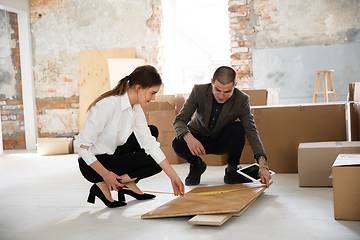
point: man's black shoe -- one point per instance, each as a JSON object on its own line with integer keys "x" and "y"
{"x": 193, "y": 178}
{"x": 233, "y": 177}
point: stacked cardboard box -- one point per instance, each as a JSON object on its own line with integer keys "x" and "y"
{"x": 161, "y": 113}
{"x": 316, "y": 159}
{"x": 346, "y": 185}
{"x": 54, "y": 146}
{"x": 258, "y": 97}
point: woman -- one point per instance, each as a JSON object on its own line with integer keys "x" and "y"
{"x": 116, "y": 147}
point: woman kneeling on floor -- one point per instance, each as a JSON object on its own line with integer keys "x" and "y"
{"x": 116, "y": 147}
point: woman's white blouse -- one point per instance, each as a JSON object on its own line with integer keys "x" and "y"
{"x": 109, "y": 124}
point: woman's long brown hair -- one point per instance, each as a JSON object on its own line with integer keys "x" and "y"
{"x": 146, "y": 76}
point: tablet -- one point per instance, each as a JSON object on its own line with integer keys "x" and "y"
{"x": 252, "y": 172}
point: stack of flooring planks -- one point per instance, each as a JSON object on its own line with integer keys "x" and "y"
{"x": 210, "y": 205}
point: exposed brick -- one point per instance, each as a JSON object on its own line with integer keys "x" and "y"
{"x": 60, "y": 105}
{"x": 238, "y": 14}
{"x": 234, "y": 44}
{"x": 5, "y": 112}
{"x": 239, "y": 62}
{"x": 39, "y": 111}
{"x": 240, "y": 50}
{"x": 234, "y": 56}
{"x": 244, "y": 44}
{"x": 245, "y": 55}
{"x": 40, "y": 105}
{"x": 232, "y": 9}
{"x": 244, "y": 8}
{"x": 41, "y": 102}
{"x": 243, "y": 19}
{"x": 237, "y": 26}
{"x": 19, "y": 138}
{"x": 242, "y": 73}
{"x": 74, "y": 100}
{"x": 9, "y": 142}
{"x": 238, "y": 2}
{"x": 17, "y": 102}
{"x": 245, "y": 68}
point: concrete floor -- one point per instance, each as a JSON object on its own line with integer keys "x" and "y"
{"x": 45, "y": 198}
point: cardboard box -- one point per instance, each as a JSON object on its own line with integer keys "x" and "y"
{"x": 355, "y": 121}
{"x": 356, "y": 89}
{"x": 346, "y": 185}
{"x": 257, "y": 97}
{"x": 215, "y": 160}
{"x": 283, "y": 128}
{"x": 53, "y": 146}
{"x": 316, "y": 159}
{"x": 162, "y": 115}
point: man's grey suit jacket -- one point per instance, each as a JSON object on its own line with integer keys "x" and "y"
{"x": 236, "y": 107}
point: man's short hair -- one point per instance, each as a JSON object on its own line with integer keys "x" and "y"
{"x": 225, "y": 75}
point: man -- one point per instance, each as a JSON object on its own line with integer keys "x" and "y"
{"x": 214, "y": 129}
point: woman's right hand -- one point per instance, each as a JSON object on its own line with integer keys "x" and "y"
{"x": 112, "y": 180}
{"x": 178, "y": 187}
{"x": 176, "y": 183}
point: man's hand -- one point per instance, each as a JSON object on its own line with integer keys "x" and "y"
{"x": 264, "y": 172}
{"x": 195, "y": 147}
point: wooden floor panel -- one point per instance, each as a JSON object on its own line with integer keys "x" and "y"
{"x": 227, "y": 202}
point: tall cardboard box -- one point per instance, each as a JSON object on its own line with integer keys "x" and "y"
{"x": 215, "y": 160}
{"x": 162, "y": 115}
{"x": 346, "y": 185}
{"x": 283, "y": 128}
{"x": 316, "y": 159}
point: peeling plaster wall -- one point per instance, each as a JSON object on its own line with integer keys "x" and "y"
{"x": 293, "y": 39}
{"x": 7, "y": 68}
{"x": 62, "y": 28}
{"x": 283, "y": 23}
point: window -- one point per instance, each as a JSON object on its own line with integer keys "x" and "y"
{"x": 196, "y": 41}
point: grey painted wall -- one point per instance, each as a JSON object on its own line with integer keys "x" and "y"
{"x": 292, "y": 70}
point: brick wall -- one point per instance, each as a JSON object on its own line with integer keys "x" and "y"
{"x": 243, "y": 21}
{"x": 12, "y": 114}
{"x": 45, "y": 105}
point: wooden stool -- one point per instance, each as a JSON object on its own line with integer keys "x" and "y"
{"x": 325, "y": 92}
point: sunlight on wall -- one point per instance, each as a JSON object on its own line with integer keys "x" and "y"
{"x": 196, "y": 41}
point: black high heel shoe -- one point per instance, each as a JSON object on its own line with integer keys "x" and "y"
{"x": 95, "y": 191}
{"x": 144, "y": 196}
